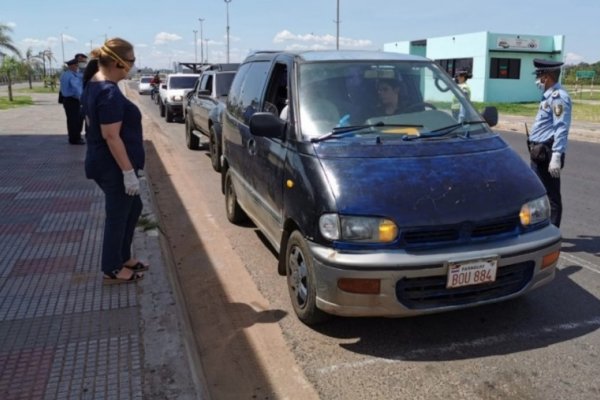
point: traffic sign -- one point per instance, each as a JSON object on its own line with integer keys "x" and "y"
{"x": 585, "y": 74}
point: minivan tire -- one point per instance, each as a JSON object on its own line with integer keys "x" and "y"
{"x": 162, "y": 109}
{"x": 301, "y": 280}
{"x": 234, "y": 212}
{"x": 168, "y": 114}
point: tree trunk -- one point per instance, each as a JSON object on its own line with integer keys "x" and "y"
{"x": 30, "y": 79}
{"x": 10, "y": 93}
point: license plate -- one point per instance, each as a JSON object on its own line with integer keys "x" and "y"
{"x": 472, "y": 272}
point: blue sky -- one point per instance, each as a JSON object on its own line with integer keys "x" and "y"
{"x": 162, "y": 31}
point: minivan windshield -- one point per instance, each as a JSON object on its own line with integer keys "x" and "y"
{"x": 396, "y": 98}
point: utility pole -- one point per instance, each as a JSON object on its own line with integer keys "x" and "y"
{"x": 227, "y": 5}
{"x": 196, "y": 46}
{"x": 201, "y": 41}
{"x": 337, "y": 23}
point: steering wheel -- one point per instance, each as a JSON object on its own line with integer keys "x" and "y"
{"x": 420, "y": 106}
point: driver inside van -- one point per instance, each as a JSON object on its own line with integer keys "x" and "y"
{"x": 388, "y": 91}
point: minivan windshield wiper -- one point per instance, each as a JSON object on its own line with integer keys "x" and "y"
{"x": 338, "y": 130}
{"x": 446, "y": 130}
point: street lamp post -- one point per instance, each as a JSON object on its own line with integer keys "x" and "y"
{"x": 206, "y": 44}
{"x": 196, "y": 46}
{"x": 227, "y": 5}
{"x": 62, "y": 46}
{"x": 201, "y": 41}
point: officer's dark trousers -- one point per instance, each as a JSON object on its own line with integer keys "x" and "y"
{"x": 122, "y": 214}
{"x": 552, "y": 186}
{"x": 74, "y": 118}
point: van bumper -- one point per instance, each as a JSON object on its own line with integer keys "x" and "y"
{"x": 414, "y": 282}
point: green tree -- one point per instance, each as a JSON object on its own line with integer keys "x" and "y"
{"x": 11, "y": 68}
{"x": 6, "y": 41}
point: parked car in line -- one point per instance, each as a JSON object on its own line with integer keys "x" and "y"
{"x": 171, "y": 94}
{"x": 203, "y": 112}
{"x": 144, "y": 86}
{"x": 379, "y": 211}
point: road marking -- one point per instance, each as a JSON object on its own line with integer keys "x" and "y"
{"x": 581, "y": 262}
{"x": 459, "y": 347}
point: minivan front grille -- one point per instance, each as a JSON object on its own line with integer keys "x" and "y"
{"x": 460, "y": 233}
{"x": 431, "y": 292}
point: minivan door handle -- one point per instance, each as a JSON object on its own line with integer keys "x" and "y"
{"x": 252, "y": 147}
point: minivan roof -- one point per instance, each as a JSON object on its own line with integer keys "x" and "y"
{"x": 341, "y": 55}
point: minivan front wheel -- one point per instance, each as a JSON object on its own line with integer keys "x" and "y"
{"x": 234, "y": 212}
{"x": 301, "y": 280}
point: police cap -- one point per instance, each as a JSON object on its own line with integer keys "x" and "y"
{"x": 72, "y": 62}
{"x": 543, "y": 66}
{"x": 80, "y": 55}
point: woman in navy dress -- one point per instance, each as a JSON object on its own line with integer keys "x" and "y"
{"x": 115, "y": 154}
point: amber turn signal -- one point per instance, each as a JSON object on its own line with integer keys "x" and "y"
{"x": 550, "y": 259}
{"x": 361, "y": 286}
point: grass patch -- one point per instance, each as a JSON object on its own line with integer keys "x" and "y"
{"x": 38, "y": 89}
{"x": 147, "y": 224}
{"x": 582, "y": 111}
{"x": 18, "y": 101}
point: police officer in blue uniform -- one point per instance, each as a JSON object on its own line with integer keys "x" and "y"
{"x": 548, "y": 139}
{"x": 71, "y": 88}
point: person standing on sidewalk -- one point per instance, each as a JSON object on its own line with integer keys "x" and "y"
{"x": 82, "y": 60}
{"x": 71, "y": 88}
{"x": 461, "y": 78}
{"x": 115, "y": 154}
{"x": 547, "y": 141}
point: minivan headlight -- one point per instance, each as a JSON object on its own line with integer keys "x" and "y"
{"x": 357, "y": 229}
{"x": 535, "y": 211}
{"x": 176, "y": 98}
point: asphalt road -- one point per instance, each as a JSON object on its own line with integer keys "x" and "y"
{"x": 545, "y": 345}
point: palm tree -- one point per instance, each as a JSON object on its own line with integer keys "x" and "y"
{"x": 6, "y": 41}
{"x": 31, "y": 63}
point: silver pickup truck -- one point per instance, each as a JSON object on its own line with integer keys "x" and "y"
{"x": 203, "y": 107}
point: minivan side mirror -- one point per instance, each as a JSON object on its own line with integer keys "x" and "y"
{"x": 163, "y": 86}
{"x": 265, "y": 124}
{"x": 490, "y": 115}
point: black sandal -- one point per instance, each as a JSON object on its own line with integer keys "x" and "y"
{"x": 138, "y": 267}
{"x": 112, "y": 279}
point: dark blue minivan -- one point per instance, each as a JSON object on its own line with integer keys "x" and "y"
{"x": 383, "y": 190}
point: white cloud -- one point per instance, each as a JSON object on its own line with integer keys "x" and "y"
{"x": 573, "y": 59}
{"x": 141, "y": 45}
{"x": 318, "y": 42}
{"x": 164, "y": 37}
{"x": 68, "y": 38}
{"x": 12, "y": 25}
{"x": 40, "y": 43}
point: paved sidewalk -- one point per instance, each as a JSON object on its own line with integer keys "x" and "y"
{"x": 63, "y": 335}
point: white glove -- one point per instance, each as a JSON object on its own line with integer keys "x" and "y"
{"x": 131, "y": 182}
{"x": 554, "y": 167}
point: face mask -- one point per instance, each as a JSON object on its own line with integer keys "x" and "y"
{"x": 82, "y": 65}
{"x": 540, "y": 85}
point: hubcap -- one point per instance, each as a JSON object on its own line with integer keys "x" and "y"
{"x": 298, "y": 276}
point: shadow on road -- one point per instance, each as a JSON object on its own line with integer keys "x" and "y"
{"x": 555, "y": 313}
{"x": 582, "y": 243}
{"x": 218, "y": 325}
